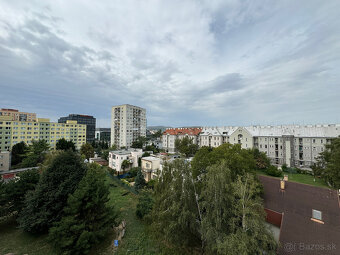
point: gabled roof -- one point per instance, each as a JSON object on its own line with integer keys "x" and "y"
{"x": 296, "y": 203}
{"x": 182, "y": 131}
{"x": 222, "y": 131}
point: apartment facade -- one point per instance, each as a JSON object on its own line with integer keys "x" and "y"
{"x": 13, "y": 132}
{"x": 103, "y": 134}
{"x": 116, "y": 158}
{"x": 18, "y": 116}
{"x": 170, "y": 135}
{"x": 5, "y": 160}
{"x": 293, "y": 145}
{"x": 128, "y": 123}
{"x": 87, "y": 120}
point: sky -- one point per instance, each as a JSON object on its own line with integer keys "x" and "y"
{"x": 189, "y": 63}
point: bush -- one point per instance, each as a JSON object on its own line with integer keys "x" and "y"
{"x": 284, "y": 167}
{"x": 145, "y": 204}
{"x": 273, "y": 171}
{"x": 133, "y": 171}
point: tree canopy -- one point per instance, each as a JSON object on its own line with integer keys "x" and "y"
{"x": 63, "y": 144}
{"x": 45, "y": 204}
{"x": 87, "y": 150}
{"x": 328, "y": 164}
{"x": 36, "y": 153}
{"x": 87, "y": 216}
{"x": 186, "y": 146}
{"x": 19, "y": 151}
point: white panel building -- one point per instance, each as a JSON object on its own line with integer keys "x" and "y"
{"x": 128, "y": 122}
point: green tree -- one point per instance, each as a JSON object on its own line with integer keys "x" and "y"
{"x": 14, "y": 191}
{"x": 139, "y": 180}
{"x": 175, "y": 215}
{"x": 87, "y": 150}
{"x": 88, "y": 215}
{"x": 139, "y": 143}
{"x": 261, "y": 159}
{"x": 126, "y": 164}
{"x": 105, "y": 153}
{"x": 201, "y": 161}
{"x": 145, "y": 204}
{"x": 186, "y": 146}
{"x": 36, "y": 153}
{"x": 19, "y": 151}
{"x": 45, "y": 204}
{"x": 248, "y": 232}
{"x": 64, "y": 145}
{"x": 328, "y": 164}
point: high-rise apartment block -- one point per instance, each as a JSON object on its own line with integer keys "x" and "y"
{"x": 18, "y": 116}
{"x": 87, "y": 120}
{"x": 128, "y": 122}
{"x": 293, "y": 145}
{"x": 13, "y": 132}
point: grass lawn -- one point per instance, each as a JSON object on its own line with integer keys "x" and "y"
{"x": 137, "y": 239}
{"x": 302, "y": 178}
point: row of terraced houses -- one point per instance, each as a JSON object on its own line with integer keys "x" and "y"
{"x": 293, "y": 145}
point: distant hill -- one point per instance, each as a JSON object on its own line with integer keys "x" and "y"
{"x": 157, "y": 128}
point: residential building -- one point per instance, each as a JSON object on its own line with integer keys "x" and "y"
{"x": 128, "y": 123}
{"x": 170, "y": 135}
{"x": 5, "y": 160}
{"x": 293, "y": 145}
{"x": 215, "y": 136}
{"x": 13, "y": 132}
{"x": 150, "y": 167}
{"x": 18, "y": 116}
{"x": 103, "y": 134}
{"x": 306, "y": 217}
{"x": 116, "y": 159}
{"x": 87, "y": 120}
{"x": 98, "y": 160}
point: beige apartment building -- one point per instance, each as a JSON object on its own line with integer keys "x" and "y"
{"x": 128, "y": 123}
{"x": 293, "y": 145}
{"x": 18, "y": 116}
{"x": 13, "y": 132}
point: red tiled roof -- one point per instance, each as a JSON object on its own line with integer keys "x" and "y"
{"x": 182, "y": 131}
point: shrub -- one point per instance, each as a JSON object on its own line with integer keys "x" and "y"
{"x": 145, "y": 204}
{"x": 273, "y": 171}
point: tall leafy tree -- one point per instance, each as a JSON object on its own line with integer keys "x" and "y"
{"x": 87, "y": 150}
{"x": 248, "y": 233}
{"x": 88, "y": 215}
{"x": 175, "y": 214}
{"x": 45, "y": 204}
{"x": 19, "y": 151}
{"x": 328, "y": 164}
{"x": 36, "y": 153}
{"x": 139, "y": 143}
{"x": 14, "y": 191}
{"x": 186, "y": 146}
{"x": 64, "y": 145}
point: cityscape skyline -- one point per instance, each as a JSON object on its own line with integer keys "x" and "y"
{"x": 210, "y": 64}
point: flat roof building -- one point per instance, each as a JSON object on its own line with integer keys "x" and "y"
{"x": 18, "y": 116}
{"x": 87, "y": 120}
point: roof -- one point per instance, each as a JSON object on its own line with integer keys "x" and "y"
{"x": 223, "y": 131}
{"x": 126, "y": 151}
{"x": 296, "y": 203}
{"x": 182, "y": 131}
{"x": 150, "y": 158}
{"x": 331, "y": 130}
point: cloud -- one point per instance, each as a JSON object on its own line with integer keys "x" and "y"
{"x": 186, "y": 62}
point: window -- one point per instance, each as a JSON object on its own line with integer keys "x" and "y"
{"x": 316, "y": 214}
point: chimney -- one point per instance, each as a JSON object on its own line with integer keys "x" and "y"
{"x": 282, "y": 184}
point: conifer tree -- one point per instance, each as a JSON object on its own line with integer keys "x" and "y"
{"x": 139, "y": 180}
{"x": 87, "y": 217}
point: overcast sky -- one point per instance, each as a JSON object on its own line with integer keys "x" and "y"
{"x": 187, "y": 62}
